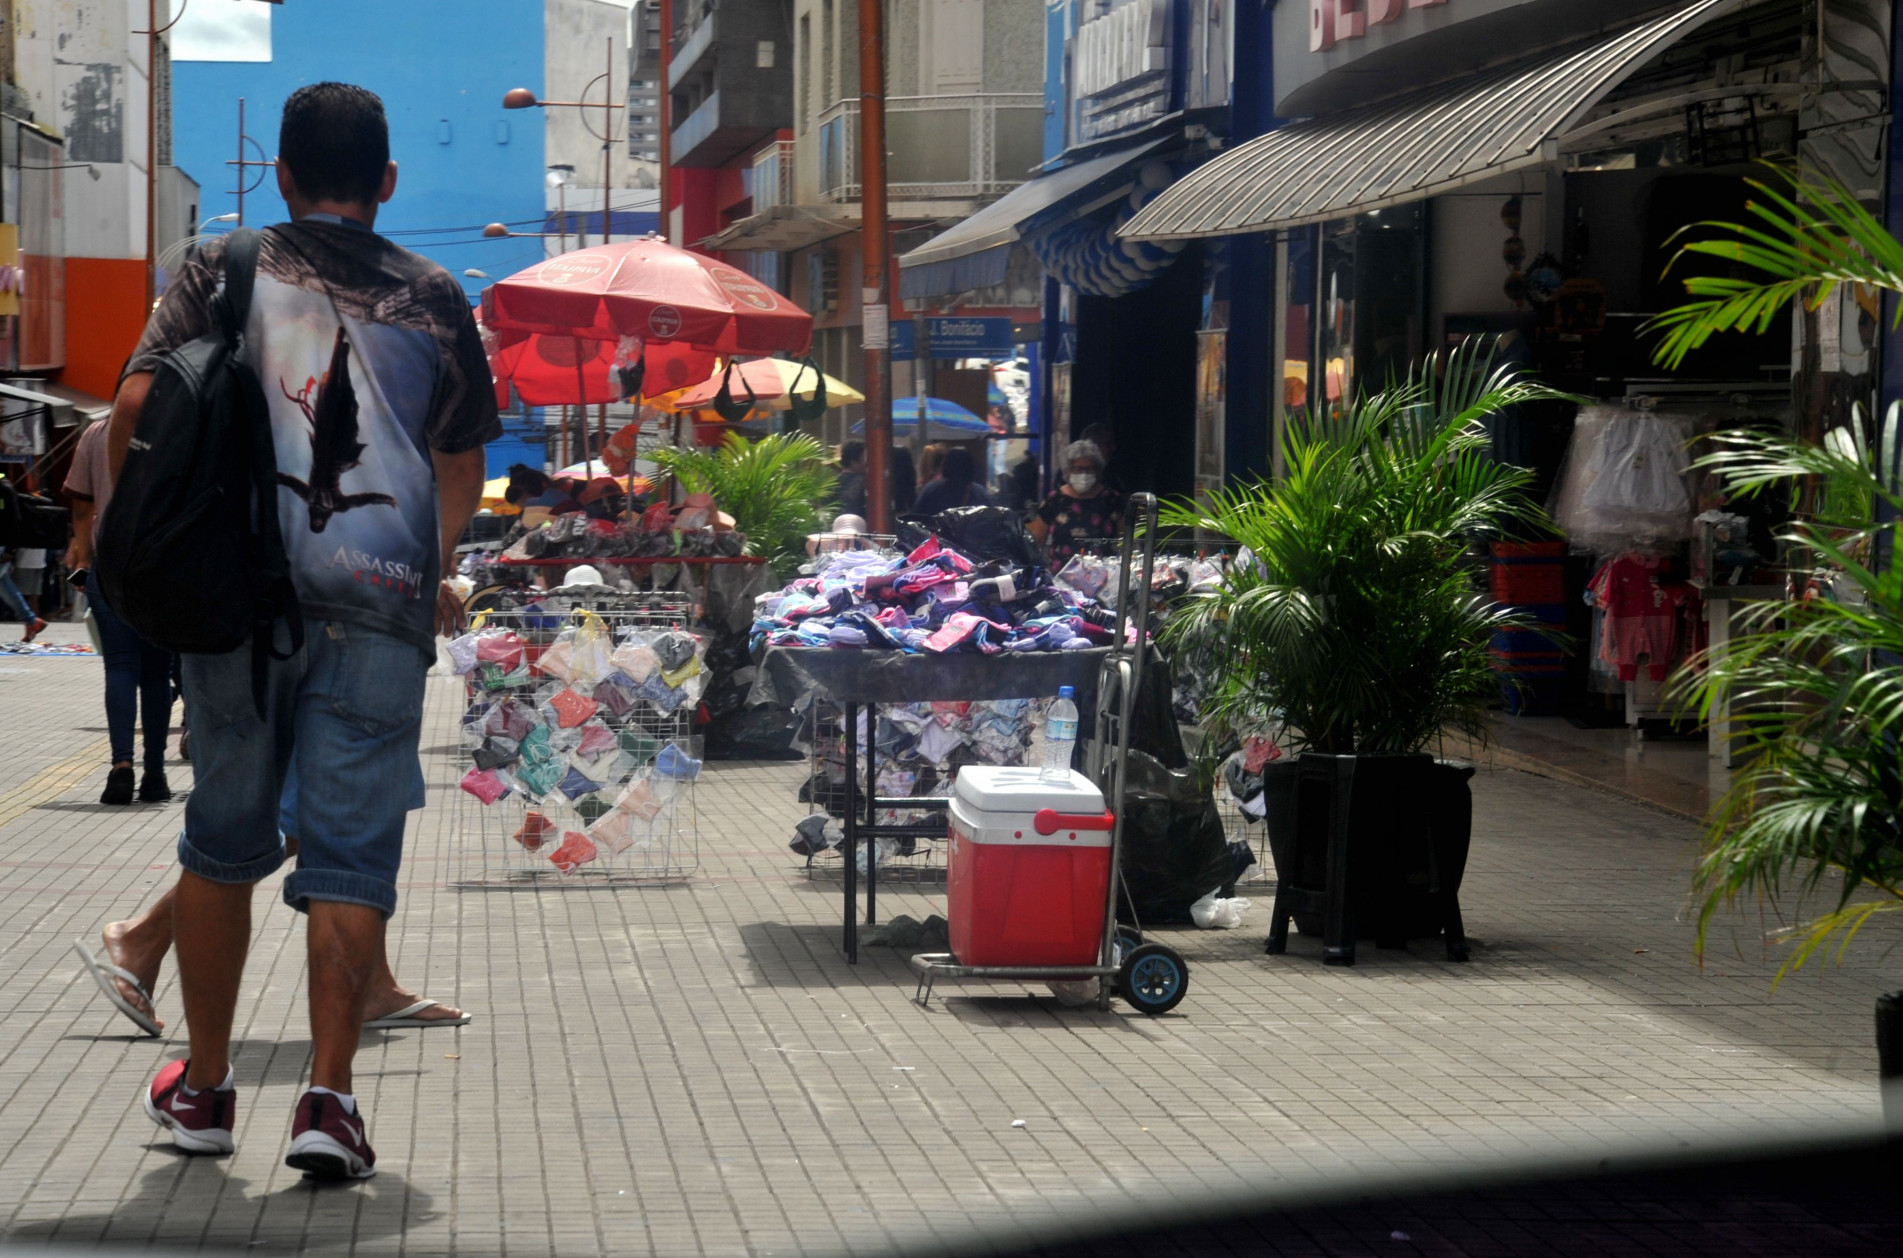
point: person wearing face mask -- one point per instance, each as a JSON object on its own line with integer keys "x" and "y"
{"x": 1080, "y": 509}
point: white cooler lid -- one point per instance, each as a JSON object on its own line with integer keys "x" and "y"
{"x": 994, "y": 789}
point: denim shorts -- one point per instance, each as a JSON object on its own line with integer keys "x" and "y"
{"x": 344, "y": 714}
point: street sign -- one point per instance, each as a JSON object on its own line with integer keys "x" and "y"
{"x": 954, "y": 337}
{"x": 904, "y": 343}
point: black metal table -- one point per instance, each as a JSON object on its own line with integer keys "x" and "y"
{"x": 853, "y": 679}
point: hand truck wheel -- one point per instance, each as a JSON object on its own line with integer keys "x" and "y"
{"x": 1153, "y": 979}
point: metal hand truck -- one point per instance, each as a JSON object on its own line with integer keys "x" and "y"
{"x": 1152, "y": 977}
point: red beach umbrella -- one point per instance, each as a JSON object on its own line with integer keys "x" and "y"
{"x": 649, "y": 289}
{"x": 549, "y": 370}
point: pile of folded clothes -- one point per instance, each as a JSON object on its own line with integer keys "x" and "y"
{"x": 588, "y": 730}
{"x": 931, "y": 600}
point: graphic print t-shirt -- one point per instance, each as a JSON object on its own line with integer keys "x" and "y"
{"x": 370, "y": 359}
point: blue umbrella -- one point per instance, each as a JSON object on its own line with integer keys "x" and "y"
{"x": 944, "y": 421}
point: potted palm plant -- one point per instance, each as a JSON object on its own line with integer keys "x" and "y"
{"x": 1351, "y": 619}
{"x": 774, "y": 489}
{"x": 1819, "y": 678}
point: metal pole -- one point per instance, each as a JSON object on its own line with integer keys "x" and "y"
{"x": 875, "y": 296}
{"x": 241, "y": 160}
{"x": 607, "y": 142}
{"x": 152, "y": 149}
{"x": 666, "y": 98}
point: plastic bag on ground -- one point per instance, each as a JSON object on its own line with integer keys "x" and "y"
{"x": 1215, "y": 913}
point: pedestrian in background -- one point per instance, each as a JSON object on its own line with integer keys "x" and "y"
{"x": 28, "y": 613}
{"x": 360, "y": 345}
{"x": 1081, "y": 509}
{"x": 901, "y": 481}
{"x": 954, "y": 486}
{"x": 138, "y": 674}
{"x": 850, "y": 497}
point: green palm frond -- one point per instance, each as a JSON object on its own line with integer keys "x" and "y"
{"x": 773, "y": 488}
{"x": 1816, "y": 698}
{"x": 1809, "y": 236}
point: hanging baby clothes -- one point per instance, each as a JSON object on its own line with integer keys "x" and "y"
{"x": 1641, "y": 615}
{"x": 1623, "y": 483}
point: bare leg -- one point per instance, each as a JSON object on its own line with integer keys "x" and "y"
{"x": 386, "y": 995}
{"x": 139, "y": 945}
{"x": 343, "y": 941}
{"x": 212, "y": 931}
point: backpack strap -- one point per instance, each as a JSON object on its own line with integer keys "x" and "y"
{"x": 241, "y": 270}
{"x": 277, "y": 595}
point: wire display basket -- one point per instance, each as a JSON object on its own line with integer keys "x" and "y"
{"x": 580, "y": 761}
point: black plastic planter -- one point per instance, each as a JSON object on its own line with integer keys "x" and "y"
{"x": 1368, "y": 847}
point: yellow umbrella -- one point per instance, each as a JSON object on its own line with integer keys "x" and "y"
{"x": 492, "y": 499}
{"x": 768, "y": 379}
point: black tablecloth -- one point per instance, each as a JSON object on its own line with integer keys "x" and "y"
{"x": 788, "y": 674}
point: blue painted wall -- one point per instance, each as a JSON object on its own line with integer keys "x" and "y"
{"x": 441, "y": 67}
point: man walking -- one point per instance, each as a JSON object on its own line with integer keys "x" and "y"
{"x": 380, "y": 405}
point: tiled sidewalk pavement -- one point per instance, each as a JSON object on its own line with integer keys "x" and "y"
{"x": 694, "y": 1068}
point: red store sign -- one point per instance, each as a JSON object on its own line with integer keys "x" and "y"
{"x": 1330, "y": 22}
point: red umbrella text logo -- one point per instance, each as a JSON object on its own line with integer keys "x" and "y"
{"x": 573, "y": 268}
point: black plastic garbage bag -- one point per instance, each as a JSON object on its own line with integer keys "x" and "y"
{"x": 980, "y": 534}
{"x": 1174, "y": 850}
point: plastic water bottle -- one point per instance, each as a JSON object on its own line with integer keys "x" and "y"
{"x": 1060, "y": 735}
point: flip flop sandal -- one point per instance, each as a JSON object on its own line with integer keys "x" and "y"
{"x": 406, "y": 1018}
{"x": 104, "y": 973}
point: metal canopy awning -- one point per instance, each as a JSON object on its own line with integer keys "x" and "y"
{"x": 1412, "y": 148}
{"x": 977, "y": 252}
{"x": 784, "y": 228}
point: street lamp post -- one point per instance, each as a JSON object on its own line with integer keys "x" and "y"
{"x": 152, "y": 32}
{"x": 523, "y": 98}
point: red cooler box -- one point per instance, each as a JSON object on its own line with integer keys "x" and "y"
{"x": 1030, "y": 864}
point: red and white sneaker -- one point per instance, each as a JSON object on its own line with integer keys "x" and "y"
{"x": 201, "y": 1122}
{"x": 327, "y": 1142}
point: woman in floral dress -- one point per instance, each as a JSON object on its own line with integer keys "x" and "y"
{"x": 1080, "y": 509}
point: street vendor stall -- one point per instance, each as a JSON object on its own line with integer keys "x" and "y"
{"x": 861, "y": 682}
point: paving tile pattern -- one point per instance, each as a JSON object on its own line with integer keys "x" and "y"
{"x": 694, "y": 1068}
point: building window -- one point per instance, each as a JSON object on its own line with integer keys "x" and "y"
{"x": 805, "y": 110}
{"x": 829, "y": 33}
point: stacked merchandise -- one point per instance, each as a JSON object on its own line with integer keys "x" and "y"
{"x": 578, "y": 732}
{"x": 1529, "y": 578}
{"x": 931, "y": 600}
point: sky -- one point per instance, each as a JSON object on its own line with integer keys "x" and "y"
{"x": 223, "y": 30}
{"x": 232, "y": 30}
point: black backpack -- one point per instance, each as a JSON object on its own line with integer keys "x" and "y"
{"x": 189, "y": 550}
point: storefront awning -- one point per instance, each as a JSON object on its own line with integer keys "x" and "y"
{"x": 977, "y": 252}
{"x": 1412, "y": 148}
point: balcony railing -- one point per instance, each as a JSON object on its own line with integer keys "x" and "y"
{"x": 773, "y": 176}
{"x": 940, "y": 147}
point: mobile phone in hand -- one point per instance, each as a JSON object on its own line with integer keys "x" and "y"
{"x": 77, "y": 578}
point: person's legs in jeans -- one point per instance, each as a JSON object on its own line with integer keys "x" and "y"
{"x": 15, "y": 601}
{"x": 359, "y": 715}
{"x": 155, "y": 709}
{"x": 123, "y": 671}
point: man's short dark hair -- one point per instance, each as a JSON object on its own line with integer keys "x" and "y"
{"x": 336, "y": 141}
{"x": 852, "y": 453}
